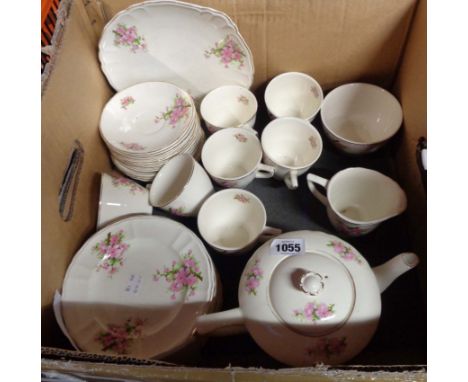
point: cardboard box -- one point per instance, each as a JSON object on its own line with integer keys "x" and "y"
{"x": 377, "y": 41}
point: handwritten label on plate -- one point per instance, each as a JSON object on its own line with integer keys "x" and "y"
{"x": 134, "y": 283}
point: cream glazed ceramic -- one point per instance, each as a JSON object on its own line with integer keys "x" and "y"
{"x": 293, "y": 94}
{"x": 229, "y": 106}
{"x": 359, "y": 118}
{"x": 120, "y": 197}
{"x": 233, "y": 157}
{"x": 233, "y": 220}
{"x": 181, "y": 186}
{"x": 170, "y": 41}
{"x": 319, "y": 307}
{"x": 358, "y": 199}
{"x": 291, "y": 145}
{"x": 136, "y": 287}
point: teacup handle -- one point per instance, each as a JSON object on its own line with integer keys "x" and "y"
{"x": 269, "y": 233}
{"x": 265, "y": 171}
{"x": 291, "y": 180}
{"x": 311, "y": 180}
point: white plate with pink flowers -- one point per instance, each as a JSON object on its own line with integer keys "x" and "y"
{"x": 194, "y": 47}
{"x": 136, "y": 288}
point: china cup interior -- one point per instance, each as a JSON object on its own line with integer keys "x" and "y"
{"x": 231, "y": 153}
{"x": 294, "y": 95}
{"x": 361, "y": 113}
{"x": 231, "y": 219}
{"x": 361, "y": 195}
{"x": 292, "y": 142}
{"x": 171, "y": 180}
{"x": 228, "y": 106}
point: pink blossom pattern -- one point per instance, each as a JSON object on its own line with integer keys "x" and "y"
{"x": 240, "y": 137}
{"x": 314, "y": 312}
{"x": 228, "y": 51}
{"x": 126, "y": 102}
{"x": 132, "y": 146}
{"x": 327, "y": 347}
{"x": 242, "y": 198}
{"x": 110, "y": 252}
{"x": 183, "y": 276}
{"x": 253, "y": 278}
{"x": 243, "y": 99}
{"x": 133, "y": 187}
{"x": 350, "y": 230}
{"x": 313, "y": 142}
{"x": 179, "y": 211}
{"x": 229, "y": 183}
{"x": 118, "y": 338}
{"x": 128, "y": 36}
{"x": 344, "y": 251}
{"x": 314, "y": 91}
{"x": 175, "y": 113}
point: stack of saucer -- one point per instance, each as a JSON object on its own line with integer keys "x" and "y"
{"x": 147, "y": 124}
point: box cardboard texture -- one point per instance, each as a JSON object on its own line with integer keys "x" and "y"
{"x": 378, "y": 41}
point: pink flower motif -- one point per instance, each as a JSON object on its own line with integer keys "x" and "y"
{"x": 242, "y": 198}
{"x": 126, "y": 101}
{"x": 240, "y": 137}
{"x": 118, "y": 338}
{"x": 132, "y": 146}
{"x": 253, "y": 278}
{"x": 183, "y": 276}
{"x": 133, "y": 187}
{"x": 243, "y": 99}
{"x": 345, "y": 252}
{"x": 314, "y": 312}
{"x": 111, "y": 252}
{"x": 327, "y": 347}
{"x": 228, "y": 51}
{"x": 128, "y": 36}
{"x": 176, "y": 112}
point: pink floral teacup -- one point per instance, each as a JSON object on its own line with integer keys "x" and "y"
{"x": 233, "y": 157}
{"x": 358, "y": 199}
{"x": 229, "y": 106}
{"x": 121, "y": 197}
{"x": 293, "y": 94}
{"x": 233, "y": 220}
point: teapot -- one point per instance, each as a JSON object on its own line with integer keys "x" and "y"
{"x": 320, "y": 306}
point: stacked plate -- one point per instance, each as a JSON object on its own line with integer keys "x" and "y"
{"x": 147, "y": 124}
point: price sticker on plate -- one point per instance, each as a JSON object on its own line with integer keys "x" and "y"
{"x": 287, "y": 247}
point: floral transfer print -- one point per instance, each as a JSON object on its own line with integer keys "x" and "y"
{"x": 132, "y": 146}
{"x": 133, "y": 187}
{"x": 240, "y": 137}
{"x": 313, "y": 142}
{"x": 344, "y": 251}
{"x": 242, "y": 198}
{"x": 176, "y": 112}
{"x": 253, "y": 278}
{"x": 118, "y": 338}
{"x": 228, "y": 183}
{"x": 327, "y": 347}
{"x": 179, "y": 211}
{"x": 111, "y": 252}
{"x": 228, "y": 51}
{"x": 128, "y": 36}
{"x": 314, "y": 312}
{"x": 126, "y": 102}
{"x": 243, "y": 99}
{"x": 183, "y": 276}
{"x": 315, "y": 91}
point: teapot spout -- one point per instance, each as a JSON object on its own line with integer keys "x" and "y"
{"x": 392, "y": 269}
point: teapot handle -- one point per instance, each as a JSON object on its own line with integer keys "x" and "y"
{"x": 311, "y": 180}
{"x": 224, "y": 323}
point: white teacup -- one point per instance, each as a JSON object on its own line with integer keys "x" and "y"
{"x": 293, "y": 94}
{"x": 358, "y": 199}
{"x": 292, "y": 146}
{"x": 181, "y": 186}
{"x": 121, "y": 197}
{"x": 233, "y": 157}
{"x": 233, "y": 220}
{"x": 359, "y": 118}
{"x": 229, "y": 106}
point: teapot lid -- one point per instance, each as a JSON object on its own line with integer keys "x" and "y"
{"x": 312, "y": 294}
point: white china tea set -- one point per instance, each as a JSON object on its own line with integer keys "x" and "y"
{"x": 145, "y": 285}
